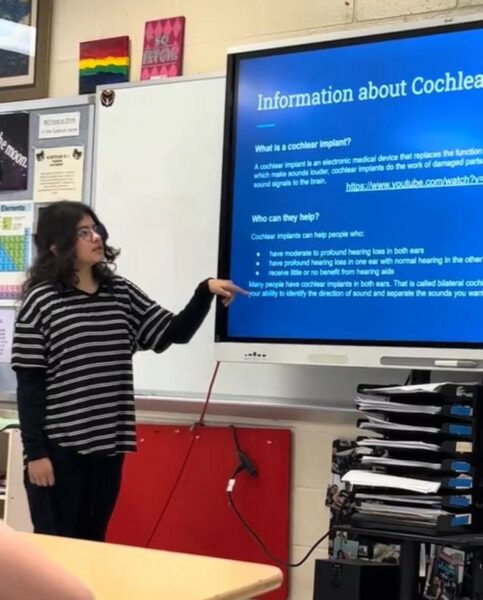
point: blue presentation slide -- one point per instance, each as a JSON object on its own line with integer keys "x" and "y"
{"x": 357, "y": 199}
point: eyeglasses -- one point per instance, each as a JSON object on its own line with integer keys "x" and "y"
{"x": 87, "y": 233}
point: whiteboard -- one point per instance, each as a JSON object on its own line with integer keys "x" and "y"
{"x": 157, "y": 186}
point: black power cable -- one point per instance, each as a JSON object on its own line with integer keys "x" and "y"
{"x": 194, "y": 432}
{"x": 246, "y": 464}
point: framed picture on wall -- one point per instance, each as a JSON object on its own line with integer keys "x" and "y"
{"x": 163, "y": 48}
{"x": 24, "y": 49}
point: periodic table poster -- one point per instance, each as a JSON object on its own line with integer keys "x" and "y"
{"x": 16, "y": 219}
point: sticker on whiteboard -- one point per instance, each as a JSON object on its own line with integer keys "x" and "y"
{"x": 57, "y": 125}
{"x": 107, "y": 97}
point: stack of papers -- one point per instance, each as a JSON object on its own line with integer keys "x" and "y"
{"x": 399, "y": 444}
{"x": 369, "y": 403}
{"x": 375, "y": 423}
{"x": 381, "y": 480}
{"x": 460, "y": 500}
{"x": 428, "y": 499}
{"x": 432, "y": 388}
{"x": 422, "y": 516}
{"x": 388, "y": 462}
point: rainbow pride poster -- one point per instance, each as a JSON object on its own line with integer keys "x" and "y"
{"x": 102, "y": 62}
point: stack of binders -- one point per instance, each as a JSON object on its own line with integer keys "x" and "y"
{"x": 422, "y": 464}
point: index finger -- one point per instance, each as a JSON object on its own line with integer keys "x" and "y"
{"x": 239, "y": 290}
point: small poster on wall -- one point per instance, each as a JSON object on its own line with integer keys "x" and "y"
{"x": 16, "y": 220}
{"x": 103, "y": 62}
{"x": 58, "y": 174}
{"x": 14, "y": 137}
{"x": 57, "y": 125}
{"x": 7, "y": 322}
{"x": 163, "y": 48}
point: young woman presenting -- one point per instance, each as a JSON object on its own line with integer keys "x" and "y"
{"x": 77, "y": 330}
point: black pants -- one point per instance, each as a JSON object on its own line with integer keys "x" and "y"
{"x": 81, "y": 502}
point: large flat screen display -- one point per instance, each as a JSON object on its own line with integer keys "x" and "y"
{"x": 352, "y": 205}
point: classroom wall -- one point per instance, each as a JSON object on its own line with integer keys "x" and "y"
{"x": 211, "y": 27}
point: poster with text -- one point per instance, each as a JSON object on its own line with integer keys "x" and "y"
{"x": 16, "y": 219}
{"x": 58, "y": 174}
{"x": 7, "y": 321}
{"x": 58, "y": 125}
{"x": 163, "y": 48}
{"x": 14, "y": 137}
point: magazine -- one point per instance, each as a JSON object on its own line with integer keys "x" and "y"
{"x": 445, "y": 574}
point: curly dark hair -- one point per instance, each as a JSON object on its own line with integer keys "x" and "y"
{"x": 57, "y": 226}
